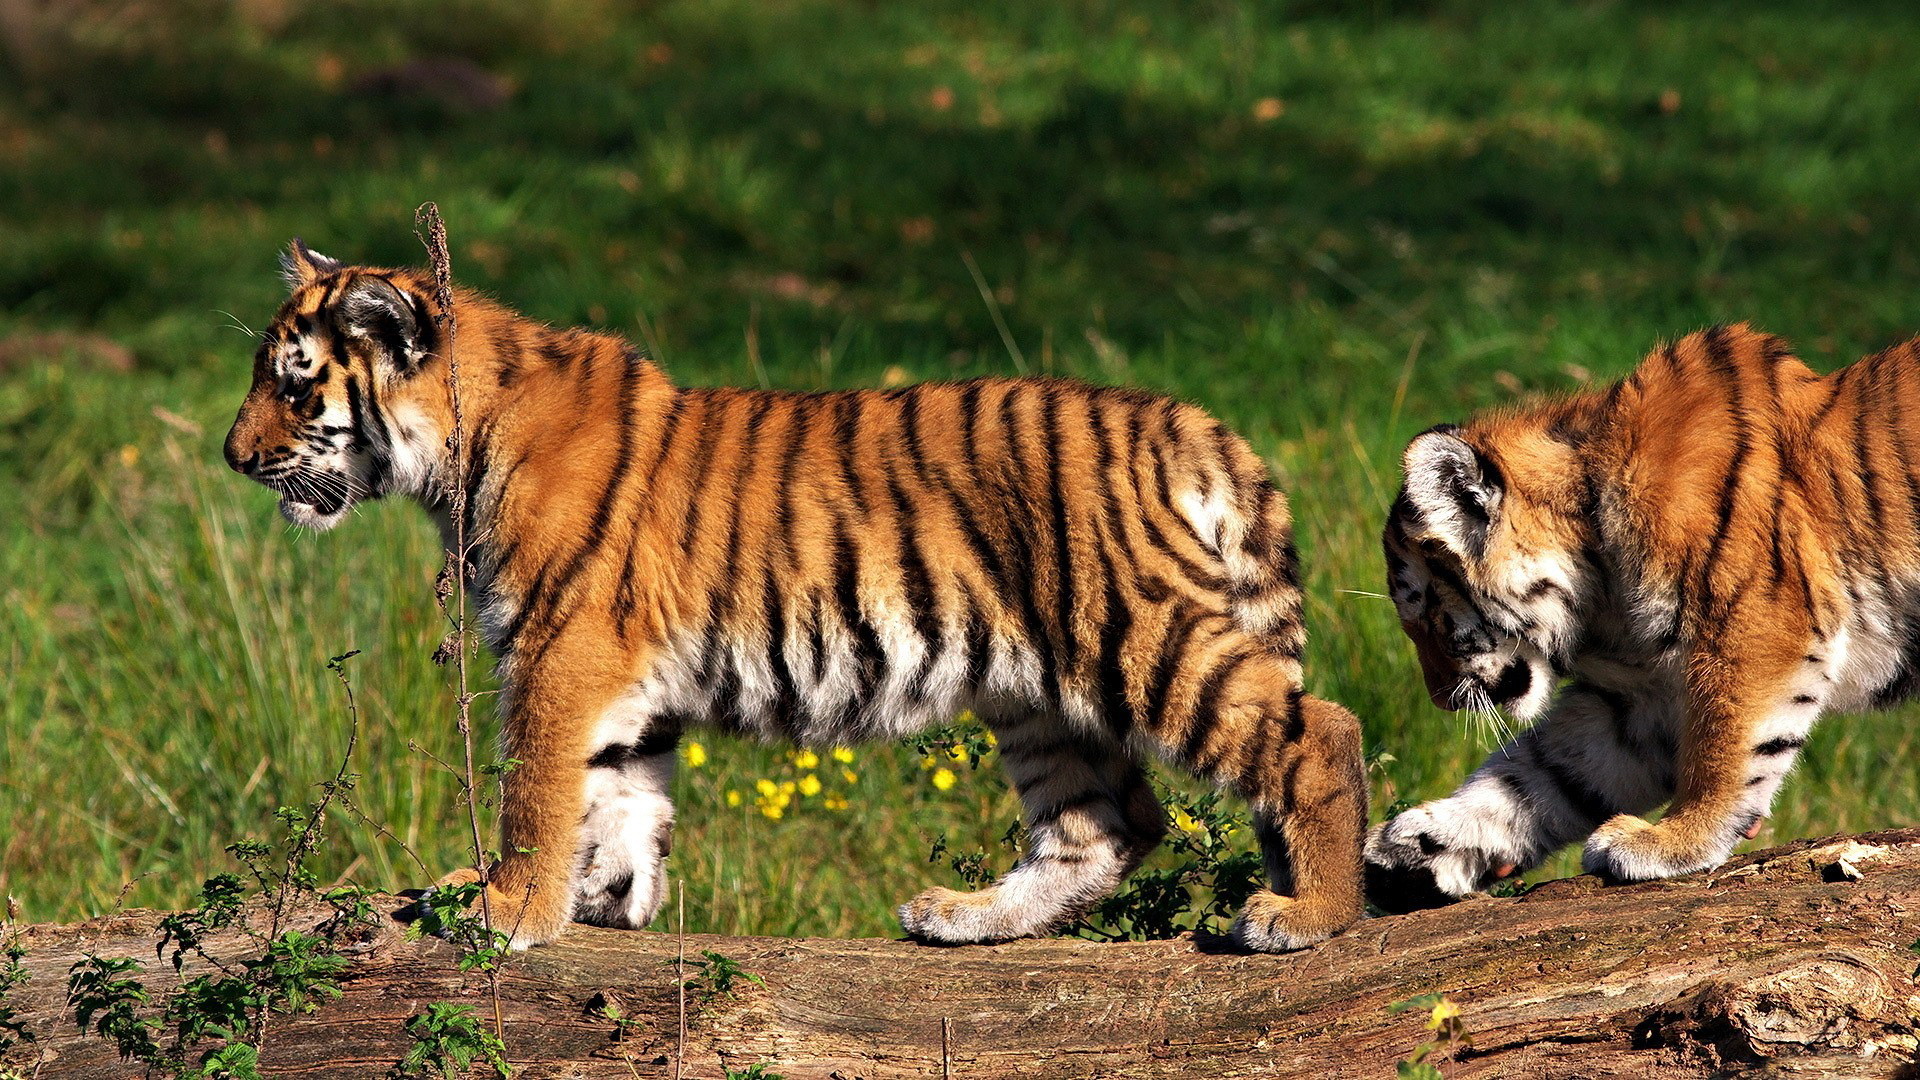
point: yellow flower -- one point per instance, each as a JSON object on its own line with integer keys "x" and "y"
{"x": 926, "y": 761}
{"x": 966, "y": 718}
{"x": 991, "y": 741}
{"x": 129, "y": 455}
{"x": 806, "y": 759}
{"x": 834, "y": 802}
{"x": 809, "y": 785}
{"x": 843, "y": 755}
{"x": 958, "y": 752}
{"x": 850, "y": 776}
{"x": 944, "y": 778}
{"x": 767, "y": 788}
{"x": 1184, "y": 821}
{"x": 773, "y": 811}
{"x": 696, "y": 755}
{"x": 733, "y": 798}
{"x": 787, "y": 787}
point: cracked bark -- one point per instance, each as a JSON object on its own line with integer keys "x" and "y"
{"x": 1791, "y": 962}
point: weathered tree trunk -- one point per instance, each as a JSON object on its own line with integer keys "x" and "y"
{"x": 1789, "y": 962}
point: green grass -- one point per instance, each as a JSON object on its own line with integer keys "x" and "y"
{"x": 1454, "y": 204}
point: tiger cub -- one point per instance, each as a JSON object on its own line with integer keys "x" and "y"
{"x": 1099, "y": 574}
{"x": 1713, "y": 551}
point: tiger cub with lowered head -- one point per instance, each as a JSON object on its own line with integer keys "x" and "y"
{"x": 1713, "y": 551}
{"x": 1099, "y": 574}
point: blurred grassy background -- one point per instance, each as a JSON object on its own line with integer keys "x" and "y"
{"x": 1332, "y": 224}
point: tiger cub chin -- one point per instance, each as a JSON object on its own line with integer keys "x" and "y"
{"x": 1713, "y": 551}
{"x": 1101, "y": 575}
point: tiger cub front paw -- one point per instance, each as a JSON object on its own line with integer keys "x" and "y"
{"x": 1414, "y": 861}
{"x": 1273, "y": 923}
{"x": 1627, "y": 849}
{"x": 949, "y": 917}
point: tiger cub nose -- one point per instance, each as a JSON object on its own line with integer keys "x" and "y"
{"x": 247, "y": 465}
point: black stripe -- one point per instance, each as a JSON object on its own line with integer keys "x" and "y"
{"x": 1151, "y": 587}
{"x": 869, "y": 657}
{"x": 1720, "y": 356}
{"x": 847, "y": 426}
{"x": 660, "y": 739}
{"x": 1063, "y": 557}
{"x": 799, "y": 426}
{"x": 969, "y": 416}
{"x": 1783, "y": 744}
{"x": 1116, "y": 620}
{"x": 742, "y": 475}
{"x": 786, "y": 698}
{"x": 711, "y": 419}
{"x": 916, "y": 584}
{"x": 1167, "y": 665}
{"x": 550, "y": 598}
{"x": 1156, "y": 495}
{"x": 1206, "y": 706}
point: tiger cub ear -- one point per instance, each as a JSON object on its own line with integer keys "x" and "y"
{"x": 301, "y": 265}
{"x": 1456, "y": 489}
{"x": 372, "y": 309}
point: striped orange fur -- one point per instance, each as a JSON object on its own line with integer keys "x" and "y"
{"x": 1100, "y": 574}
{"x": 1714, "y": 551}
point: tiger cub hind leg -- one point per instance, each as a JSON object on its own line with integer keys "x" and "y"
{"x": 1309, "y": 804}
{"x": 1091, "y": 817}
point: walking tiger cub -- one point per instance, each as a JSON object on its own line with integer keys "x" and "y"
{"x": 1099, "y": 574}
{"x": 1714, "y": 551}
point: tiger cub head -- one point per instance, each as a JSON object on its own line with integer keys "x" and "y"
{"x": 337, "y": 412}
{"x": 1485, "y": 564}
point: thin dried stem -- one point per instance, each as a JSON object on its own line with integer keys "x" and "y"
{"x": 428, "y": 217}
{"x": 680, "y": 977}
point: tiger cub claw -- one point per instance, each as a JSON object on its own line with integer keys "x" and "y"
{"x": 1271, "y": 923}
{"x": 949, "y": 917}
{"x": 1628, "y": 849}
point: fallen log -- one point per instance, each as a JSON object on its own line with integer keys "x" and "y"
{"x": 1790, "y": 962}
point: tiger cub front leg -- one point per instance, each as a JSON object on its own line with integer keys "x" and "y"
{"x": 1749, "y": 707}
{"x": 1597, "y": 753}
{"x": 555, "y": 713}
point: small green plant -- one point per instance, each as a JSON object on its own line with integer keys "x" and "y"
{"x": 970, "y": 865}
{"x": 447, "y": 1040}
{"x": 1209, "y": 852}
{"x": 716, "y": 975}
{"x": 609, "y": 1009}
{"x": 1450, "y": 1032}
{"x": 965, "y": 740}
{"x": 13, "y": 972}
{"x": 755, "y": 1071}
{"x": 1915, "y": 950}
{"x": 229, "y": 1002}
{"x": 451, "y": 912}
{"x": 106, "y": 996}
